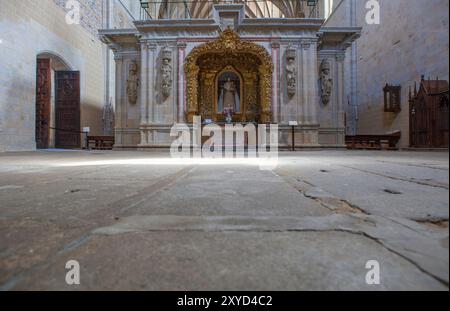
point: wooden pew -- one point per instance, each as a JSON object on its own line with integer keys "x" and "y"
{"x": 100, "y": 142}
{"x": 373, "y": 142}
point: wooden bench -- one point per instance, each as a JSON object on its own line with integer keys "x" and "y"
{"x": 373, "y": 142}
{"x": 100, "y": 142}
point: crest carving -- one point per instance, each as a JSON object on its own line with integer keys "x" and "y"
{"x": 166, "y": 72}
{"x": 133, "y": 83}
{"x": 326, "y": 81}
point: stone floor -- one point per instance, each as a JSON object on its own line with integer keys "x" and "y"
{"x": 140, "y": 221}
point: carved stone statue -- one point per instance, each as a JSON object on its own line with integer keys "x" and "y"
{"x": 291, "y": 72}
{"x": 326, "y": 82}
{"x": 228, "y": 94}
{"x": 166, "y": 72}
{"x": 108, "y": 118}
{"x": 229, "y": 97}
{"x": 133, "y": 83}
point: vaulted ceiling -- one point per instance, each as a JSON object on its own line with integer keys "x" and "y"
{"x": 203, "y": 8}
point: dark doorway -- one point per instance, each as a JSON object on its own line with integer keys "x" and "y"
{"x": 43, "y": 98}
{"x": 67, "y": 109}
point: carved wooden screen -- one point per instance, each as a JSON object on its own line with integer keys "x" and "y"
{"x": 43, "y": 97}
{"x": 429, "y": 121}
{"x": 67, "y": 106}
{"x": 442, "y": 121}
{"x": 419, "y": 123}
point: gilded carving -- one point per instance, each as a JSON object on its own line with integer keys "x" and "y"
{"x": 251, "y": 85}
{"x": 230, "y": 49}
{"x": 266, "y": 90}
{"x": 206, "y": 104}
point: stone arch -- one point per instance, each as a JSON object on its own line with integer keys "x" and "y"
{"x": 230, "y": 43}
{"x": 48, "y": 64}
{"x": 58, "y": 62}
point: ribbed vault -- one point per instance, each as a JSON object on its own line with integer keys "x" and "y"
{"x": 172, "y": 9}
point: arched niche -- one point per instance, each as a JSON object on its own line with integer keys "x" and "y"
{"x": 206, "y": 61}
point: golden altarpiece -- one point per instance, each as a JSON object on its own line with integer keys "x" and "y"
{"x": 250, "y": 65}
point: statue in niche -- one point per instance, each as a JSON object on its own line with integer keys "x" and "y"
{"x": 166, "y": 72}
{"x": 133, "y": 83}
{"x": 229, "y": 93}
{"x": 108, "y": 118}
{"x": 326, "y": 82}
{"x": 291, "y": 71}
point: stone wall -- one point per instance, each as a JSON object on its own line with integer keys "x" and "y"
{"x": 27, "y": 29}
{"x": 411, "y": 40}
{"x": 90, "y": 13}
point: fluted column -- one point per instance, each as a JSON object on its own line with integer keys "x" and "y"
{"x": 144, "y": 83}
{"x": 181, "y": 82}
{"x": 119, "y": 113}
{"x": 303, "y": 98}
{"x": 151, "y": 79}
{"x": 276, "y": 82}
{"x": 340, "y": 89}
{"x": 310, "y": 81}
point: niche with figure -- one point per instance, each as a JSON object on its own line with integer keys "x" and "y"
{"x": 229, "y": 92}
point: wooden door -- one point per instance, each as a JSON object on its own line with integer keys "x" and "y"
{"x": 43, "y": 98}
{"x": 420, "y": 129}
{"x": 67, "y": 109}
{"x": 442, "y": 122}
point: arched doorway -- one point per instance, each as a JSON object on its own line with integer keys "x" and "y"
{"x": 57, "y": 103}
{"x": 234, "y": 70}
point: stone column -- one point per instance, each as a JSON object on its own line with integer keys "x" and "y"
{"x": 303, "y": 112}
{"x": 314, "y": 81}
{"x": 120, "y": 96}
{"x": 144, "y": 92}
{"x": 151, "y": 78}
{"x": 340, "y": 90}
{"x": 276, "y": 82}
{"x": 310, "y": 81}
{"x": 181, "y": 82}
{"x": 144, "y": 83}
{"x": 310, "y": 75}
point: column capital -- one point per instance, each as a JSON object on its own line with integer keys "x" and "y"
{"x": 305, "y": 45}
{"x": 181, "y": 45}
{"x": 340, "y": 57}
{"x": 118, "y": 57}
{"x": 143, "y": 45}
{"x": 151, "y": 46}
